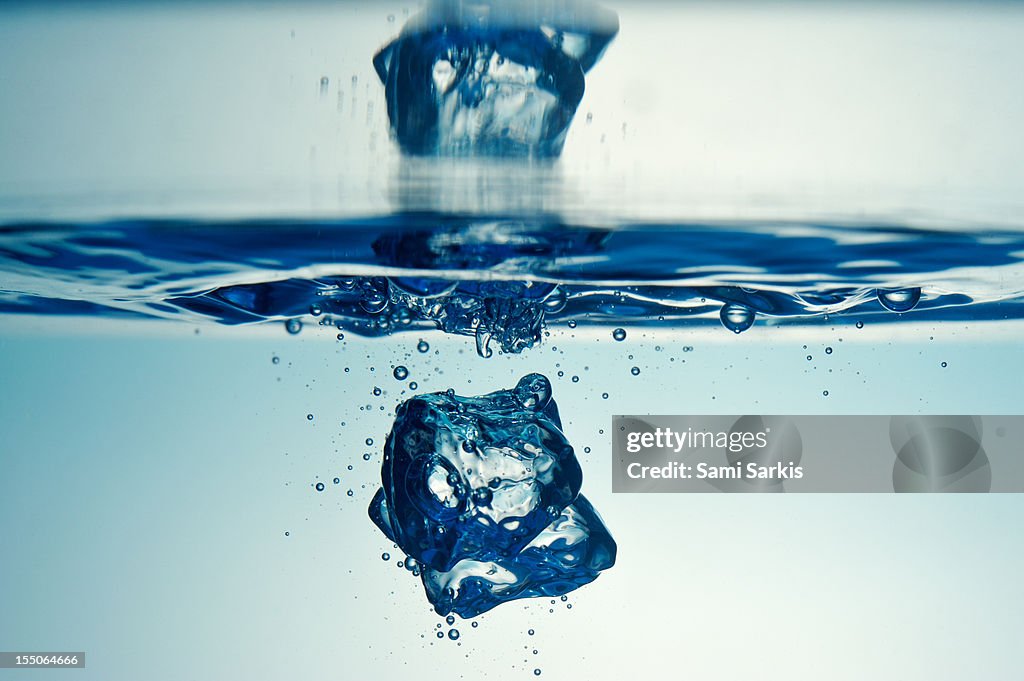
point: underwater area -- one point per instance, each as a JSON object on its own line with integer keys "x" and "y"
{"x": 238, "y": 271}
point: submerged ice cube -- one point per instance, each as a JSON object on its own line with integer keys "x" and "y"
{"x": 484, "y": 493}
{"x": 491, "y": 78}
{"x": 477, "y": 477}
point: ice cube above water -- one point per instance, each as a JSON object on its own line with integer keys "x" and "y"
{"x": 491, "y": 78}
{"x": 484, "y": 493}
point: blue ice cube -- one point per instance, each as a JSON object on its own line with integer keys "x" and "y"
{"x": 475, "y": 477}
{"x": 491, "y": 78}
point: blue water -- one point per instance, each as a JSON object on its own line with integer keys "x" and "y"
{"x": 503, "y": 278}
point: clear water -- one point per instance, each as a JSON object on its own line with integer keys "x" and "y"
{"x": 190, "y": 442}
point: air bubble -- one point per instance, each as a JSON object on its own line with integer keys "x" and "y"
{"x": 293, "y": 326}
{"x": 736, "y": 318}
{"x": 423, "y": 346}
{"x": 899, "y": 300}
{"x": 635, "y": 371}
{"x": 319, "y": 487}
{"x": 401, "y": 373}
{"x": 619, "y": 334}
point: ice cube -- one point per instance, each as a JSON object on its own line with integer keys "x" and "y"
{"x": 491, "y": 78}
{"x": 476, "y": 477}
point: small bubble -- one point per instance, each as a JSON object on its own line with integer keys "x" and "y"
{"x": 275, "y": 359}
{"x": 453, "y": 634}
{"x": 571, "y": 324}
{"x": 825, "y": 393}
{"x": 536, "y": 672}
{"x": 350, "y": 493}
{"x": 337, "y": 480}
{"x": 635, "y": 371}
{"x": 828, "y": 351}
{"x": 475, "y": 625}
{"x": 604, "y": 396}
{"x": 809, "y": 358}
{"x": 423, "y": 346}
{"x": 413, "y": 385}
{"x": 377, "y": 391}
{"x": 440, "y": 634}
{"x": 619, "y": 334}
{"x": 575, "y": 379}
{"x": 385, "y": 556}
{"x": 287, "y": 534}
{"x": 319, "y": 487}
{"x": 293, "y": 326}
{"x": 944, "y": 365}
{"x": 309, "y": 417}
{"x": 366, "y": 457}
{"x": 859, "y": 325}
{"x": 530, "y": 632}
{"x": 450, "y": 619}
{"x": 401, "y": 373}
{"x": 315, "y": 310}
{"x": 369, "y": 442}
{"x": 391, "y": 18}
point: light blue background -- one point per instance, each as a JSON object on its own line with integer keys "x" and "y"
{"x": 149, "y": 475}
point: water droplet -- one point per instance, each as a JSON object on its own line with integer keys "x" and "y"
{"x": 453, "y": 634}
{"x": 423, "y": 346}
{"x": 604, "y": 396}
{"x": 341, "y": 336}
{"x": 309, "y": 417}
{"x": 944, "y": 365}
{"x": 315, "y": 310}
{"x": 401, "y": 373}
{"x": 350, "y": 493}
{"x": 377, "y": 391}
{"x": 440, "y": 634}
{"x": 385, "y": 556}
{"x": 293, "y": 326}
{"x": 825, "y": 393}
{"x": 536, "y": 672}
{"x": 287, "y": 534}
{"x": 575, "y": 379}
{"x": 859, "y": 325}
{"x": 899, "y": 300}
{"x": 369, "y": 442}
{"x": 828, "y": 351}
{"x": 475, "y": 625}
{"x": 413, "y": 385}
{"x": 530, "y": 632}
{"x": 737, "y": 318}
{"x": 809, "y": 358}
{"x": 565, "y": 598}
{"x": 619, "y": 334}
{"x": 635, "y": 371}
{"x": 319, "y": 487}
{"x": 275, "y": 359}
{"x": 555, "y": 302}
{"x": 337, "y": 480}
{"x": 571, "y": 324}
{"x": 450, "y": 619}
